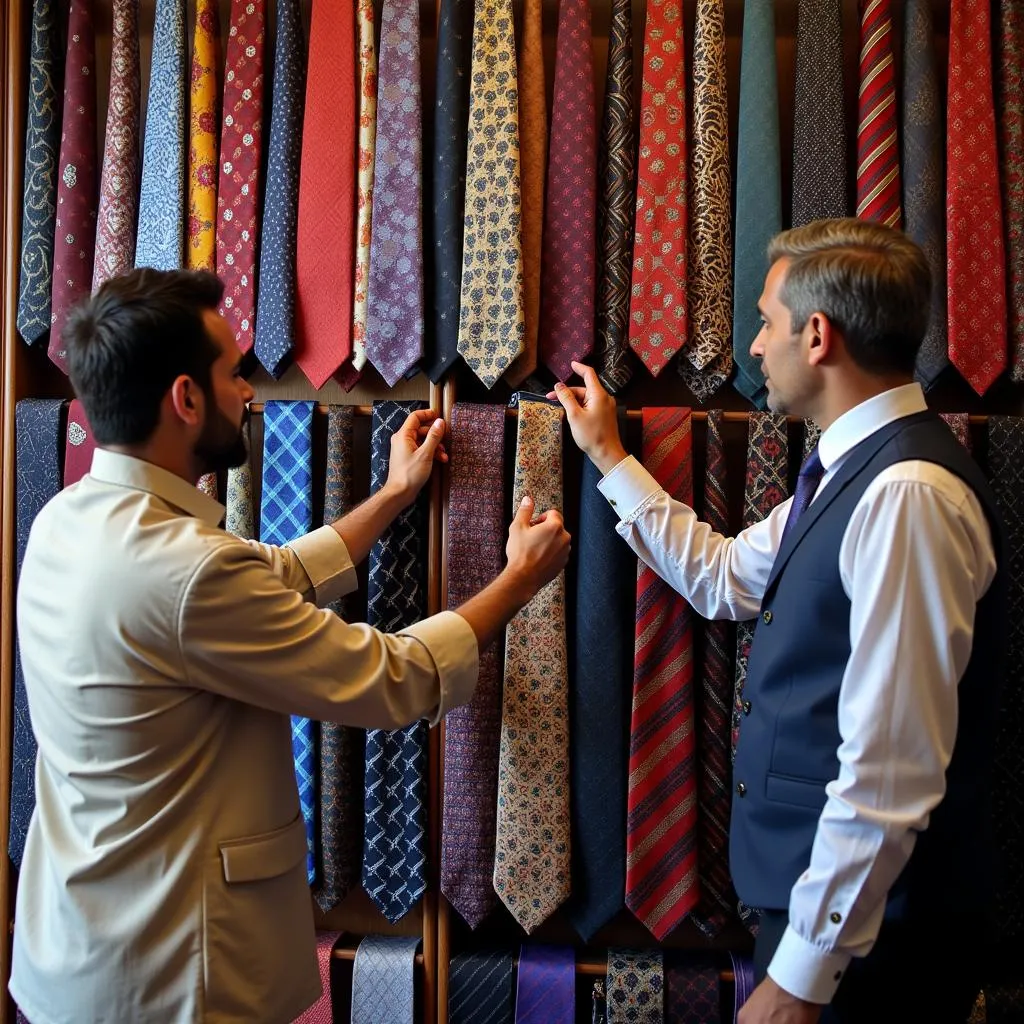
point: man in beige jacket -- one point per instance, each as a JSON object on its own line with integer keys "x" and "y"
{"x": 164, "y": 874}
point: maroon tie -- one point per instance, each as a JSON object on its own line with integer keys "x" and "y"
{"x": 74, "y": 241}
{"x": 80, "y": 445}
{"x": 570, "y": 245}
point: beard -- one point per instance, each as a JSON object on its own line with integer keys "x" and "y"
{"x": 222, "y": 444}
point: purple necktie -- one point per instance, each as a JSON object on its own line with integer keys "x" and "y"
{"x": 743, "y": 974}
{"x": 546, "y": 990}
{"x": 810, "y": 476}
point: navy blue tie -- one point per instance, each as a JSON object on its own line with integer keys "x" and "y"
{"x": 395, "y": 840}
{"x": 480, "y": 989}
{"x": 807, "y": 482}
{"x": 286, "y": 513}
{"x": 42, "y": 143}
{"x": 38, "y": 431}
{"x": 275, "y": 314}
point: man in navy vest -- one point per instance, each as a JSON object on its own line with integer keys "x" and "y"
{"x": 860, "y": 822}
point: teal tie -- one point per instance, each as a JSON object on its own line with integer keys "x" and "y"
{"x": 758, "y": 189}
{"x": 286, "y": 513}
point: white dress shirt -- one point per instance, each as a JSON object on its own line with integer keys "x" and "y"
{"x": 915, "y": 559}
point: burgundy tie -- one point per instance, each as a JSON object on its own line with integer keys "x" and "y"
{"x": 75, "y": 237}
{"x": 80, "y": 445}
{"x": 570, "y": 244}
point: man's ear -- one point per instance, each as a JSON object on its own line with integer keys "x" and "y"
{"x": 821, "y": 339}
{"x": 186, "y": 400}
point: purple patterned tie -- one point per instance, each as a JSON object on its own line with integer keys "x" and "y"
{"x": 546, "y": 989}
{"x": 692, "y": 993}
{"x": 394, "y": 330}
{"x": 807, "y": 482}
{"x": 472, "y": 732}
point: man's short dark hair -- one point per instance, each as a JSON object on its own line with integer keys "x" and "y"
{"x": 128, "y": 343}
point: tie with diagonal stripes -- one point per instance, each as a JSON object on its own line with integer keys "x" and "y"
{"x": 546, "y": 984}
{"x": 286, "y": 513}
{"x": 662, "y": 886}
{"x": 395, "y": 840}
{"x": 878, "y": 154}
{"x": 480, "y": 988}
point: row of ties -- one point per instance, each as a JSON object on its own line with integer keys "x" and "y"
{"x": 663, "y": 289}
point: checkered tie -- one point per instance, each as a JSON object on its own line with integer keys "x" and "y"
{"x": 162, "y": 219}
{"x": 286, "y": 513}
{"x": 395, "y": 841}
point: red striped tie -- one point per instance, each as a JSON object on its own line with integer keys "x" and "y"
{"x": 661, "y": 824}
{"x": 878, "y": 163}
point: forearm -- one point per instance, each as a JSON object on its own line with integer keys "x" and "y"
{"x": 491, "y": 609}
{"x": 363, "y": 526}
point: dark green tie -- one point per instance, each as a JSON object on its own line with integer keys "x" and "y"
{"x": 758, "y": 189}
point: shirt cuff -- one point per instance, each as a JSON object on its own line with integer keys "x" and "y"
{"x": 805, "y": 971}
{"x": 629, "y": 488}
{"x": 451, "y": 642}
{"x": 324, "y": 556}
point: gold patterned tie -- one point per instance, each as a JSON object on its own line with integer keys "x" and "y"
{"x": 491, "y": 319}
{"x": 241, "y": 518}
{"x": 533, "y": 158}
{"x": 531, "y": 866}
{"x": 202, "y": 140}
{"x": 706, "y": 362}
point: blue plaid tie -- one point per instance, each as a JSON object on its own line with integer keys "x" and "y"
{"x": 384, "y": 980}
{"x": 275, "y": 312}
{"x": 286, "y": 513}
{"x": 394, "y": 844}
{"x": 42, "y": 142}
{"x": 38, "y": 430}
{"x": 162, "y": 217}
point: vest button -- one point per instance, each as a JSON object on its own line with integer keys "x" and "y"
{"x": 835, "y": 917}
{"x": 767, "y": 617}
{"x": 741, "y": 788}
{"x": 747, "y": 706}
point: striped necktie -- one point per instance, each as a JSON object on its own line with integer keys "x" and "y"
{"x": 480, "y": 989}
{"x": 546, "y": 985}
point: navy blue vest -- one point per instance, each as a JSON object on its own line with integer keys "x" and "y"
{"x": 789, "y": 735}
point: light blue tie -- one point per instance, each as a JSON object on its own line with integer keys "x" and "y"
{"x": 275, "y": 313}
{"x": 161, "y": 235}
{"x": 758, "y": 189}
{"x": 286, "y": 513}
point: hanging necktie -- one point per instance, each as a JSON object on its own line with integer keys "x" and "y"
{"x": 599, "y": 712}
{"x": 162, "y": 218}
{"x": 239, "y": 186}
{"x": 321, "y": 1012}
{"x": 80, "y": 445}
{"x": 975, "y": 254}
{"x": 395, "y": 841}
{"x": 635, "y": 983}
{"x": 38, "y": 429}
{"x": 878, "y": 154}
{"x": 616, "y": 205}
{"x": 200, "y": 251}
{"x": 661, "y": 827}
{"x": 350, "y": 372}
{"x": 75, "y": 233}
{"x": 705, "y": 364}
{"x": 491, "y": 315}
{"x": 286, "y": 513}
{"x": 959, "y": 424}
{"x": 531, "y": 865}
{"x": 1010, "y": 118}
{"x": 323, "y": 287}
{"x": 819, "y": 119}
{"x": 924, "y": 200}
{"x": 569, "y": 245}
{"x": 448, "y": 186}
{"x": 692, "y": 990}
{"x": 533, "y": 156}
{"x": 119, "y": 182}
{"x": 546, "y": 985}
{"x": 714, "y": 719}
{"x": 743, "y": 983}
{"x": 240, "y": 516}
{"x": 275, "y": 318}
{"x": 758, "y": 190}
{"x": 39, "y": 199}
{"x": 341, "y": 747}
{"x": 394, "y": 330}
{"x": 472, "y": 732}
{"x": 480, "y": 989}
{"x": 658, "y": 321}
{"x": 384, "y": 980}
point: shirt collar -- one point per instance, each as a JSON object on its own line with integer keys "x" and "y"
{"x": 863, "y": 420}
{"x": 127, "y": 471}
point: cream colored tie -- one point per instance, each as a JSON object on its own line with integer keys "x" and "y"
{"x": 491, "y": 320}
{"x": 531, "y": 866}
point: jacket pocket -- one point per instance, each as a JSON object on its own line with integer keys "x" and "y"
{"x": 786, "y": 789}
{"x": 264, "y": 856}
